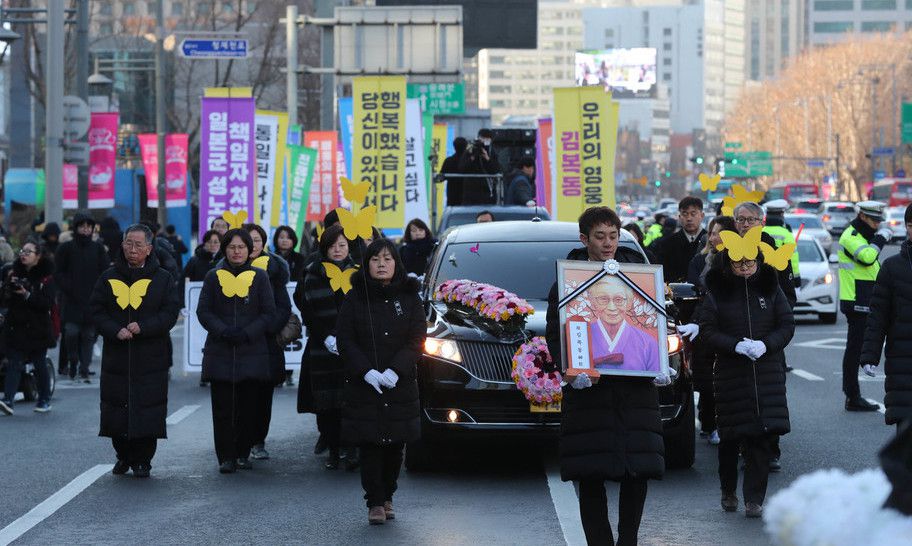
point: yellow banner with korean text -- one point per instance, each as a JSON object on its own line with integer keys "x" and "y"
{"x": 585, "y": 140}
{"x": 438, "y": 150}
{"x": 378, "y": 147}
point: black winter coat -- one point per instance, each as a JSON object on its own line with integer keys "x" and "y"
{"x": 322, "y": 382}
{"x": 453, "y": 183}
{"x": 520, "y": 190}
{"x": 277, "y": 270}
{"x": 381, "y": 327}
{"x": 79, "y": 263}
{"x": 478, "y": 191}
{"x": 296, "y": 265}
{"x": 702, "y": 358}
{"x": 134, "y": 373}
{"x": 224, "y": 360}
{"x": 891, "y": 319}
{"x": 674, "y": 252}
{"x": 415, "y": 255}
{"x": 613, "y": 429}
{"x": 199, "y": 264}
{"x": 750, "y": 396}
{"x": 28, "y": 321}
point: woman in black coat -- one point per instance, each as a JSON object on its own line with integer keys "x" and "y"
{"x": 747, "y": 321}
{"x": 891, "y": 319}
{"x": 236, "y": 307}
{"x": 205, "y": 257}
{"x": 322, "y": 370}
{"x": 28, "y": 293}
{"x": 418, "y": 245}
{"x": 284, "y": 243}
{"x": 135, "y": 307}
{"x": 381, "y": 332}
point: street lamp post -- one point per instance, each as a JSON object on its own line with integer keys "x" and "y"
{"x": 160, "y": 109}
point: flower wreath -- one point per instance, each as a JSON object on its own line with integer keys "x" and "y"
{"x": 488, "y": 302}
{"x": 537, "y": 386}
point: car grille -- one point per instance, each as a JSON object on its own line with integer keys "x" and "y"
{"x": 510, "y": 415}
{"x": 488, "y": 361}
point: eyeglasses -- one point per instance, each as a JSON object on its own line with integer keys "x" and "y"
{"x": 26, "y": 252}
{"x": 744, "y": 264}
{"x": 747, "y": 220}
{"x": 603, "y": 301}
{"x": 133, "y": 245}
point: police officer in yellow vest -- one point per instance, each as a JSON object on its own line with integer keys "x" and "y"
{"x": 655, "y": 230}
{"x": 860, "y": 246}
{"x": 780, "y": 231}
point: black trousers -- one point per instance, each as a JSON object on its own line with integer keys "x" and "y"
{"x": 757, "y": 451}
{"x": 852, "y": 355}
{"x": 329, "y": 423}
{"x": 263, "y": 405}
{"x": 706, "y": 411}
{"x": 593, "y": 501}
{"x": 80, "y": 342}
{"x": 233, "y": 418}
{"x": 135, "y": 451}
{"x": 380, "y": 471}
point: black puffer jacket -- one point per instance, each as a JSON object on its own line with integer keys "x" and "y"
{"x": 381, "y": 327}
{"x": 134, "y": 373}
{"x": 296, "y": 264}
{"x": 78, "y": 263}
{"x": 277, "y": 270}
{"x": 750, "y": 396}
{"x": 199, "y": 264}
{"x": 613, "y": 429}
{"x": 891, "y": 318}
{"x": 702, "y": 358}
{"x": 248, "y": 359}
{"x": 415, "y": 254}
{"x": 28, "y": 321}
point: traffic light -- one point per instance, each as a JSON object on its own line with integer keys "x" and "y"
{"x": 667, "y": 174}
{"x": 658, "y": 183}
{"x": 698, "y": 159}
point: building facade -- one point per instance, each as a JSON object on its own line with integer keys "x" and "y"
{"x": 776, "y": 31}
{"x": 831, "y": 21}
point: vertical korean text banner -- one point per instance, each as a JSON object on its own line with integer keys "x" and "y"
{"x": 323, "y": 195}
{"x": 269, "y": 141}
{"x": 585, "y": 138}
{"x": 378, "y": 151}
{"x": 176, "y": 151}
{"x": 301, "y": 163}
{"x": 102, "y": 159}
{"x": 227, "y": 169}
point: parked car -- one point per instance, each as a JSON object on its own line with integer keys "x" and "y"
{"x": 836, "y": 216}
{"x": 464, "y": 376}
{"x": 895, "y": 218}
{"x": 812, "y": 227}
{"x": 819, "y": 292}
{"x": 458, "y": 216}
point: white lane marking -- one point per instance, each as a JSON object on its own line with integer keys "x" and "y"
{"x": 180, "y": 414}
{"x": 566, "y": 505}
{"x": 834, "y": 343}
{"x": 880, "y": 407}
{"x": 53, "y": 503}
{"x": 806, "y": 375}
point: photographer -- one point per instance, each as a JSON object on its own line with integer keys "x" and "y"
{"x": 479, "y": 158}
{"x": 28, "y": 293}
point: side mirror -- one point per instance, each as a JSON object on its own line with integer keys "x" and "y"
{"x": 834, "y": 258}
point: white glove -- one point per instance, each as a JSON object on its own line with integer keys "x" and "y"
{"x": 690, "y": 331}
{"x": 757, "y": 349}
{"x": 661, "y": 380}
{"x": 743, "y": 348}
{"x": 330, "y": 344}
{"x": 886, "y": 233}
{"x": 389, "y": 378}
{"x": 870, "y": 370}
{"x": 185, "y": 312}
{"x": 373, "y": 378}
{"x": 581, "y": 381}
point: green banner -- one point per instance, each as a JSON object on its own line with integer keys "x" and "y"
{"x": 748, "y": 164}
{"x": 439, "y": 98}
{"x": 427, "y": 124}
{"x": 907, "y": 122}
{"x": 301, "y": 162}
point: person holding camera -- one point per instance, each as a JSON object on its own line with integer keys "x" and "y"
{"x": 479, "y": 159}
{"x": 28, "y": 293}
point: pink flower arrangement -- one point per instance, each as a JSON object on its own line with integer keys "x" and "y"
{"x": 488, "y": 301}
{"x": 538, "y": 386}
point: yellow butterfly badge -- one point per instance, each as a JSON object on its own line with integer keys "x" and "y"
{"x": 320, "y": 230}
{"x": 741, "y": 195}
{"x": 778, "y": 257}
{"x": 261, "y": 263}
{"x": 235, "y": 219}
{"x": 358, "y": 224}
{"x": 131, "y": 295}
{"x": 356, "y": 193}
{"x": 235, "y": 286}
{"x": 741, "y": 247}
{"x": 709, "y": 183}
{"x": 338, "y": 279}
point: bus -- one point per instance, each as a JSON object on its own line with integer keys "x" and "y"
{"x": 793, "y": 191}
{"x": 895, "y": 192}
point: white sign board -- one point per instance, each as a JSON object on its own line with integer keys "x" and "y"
{"x": 195, "y": 334}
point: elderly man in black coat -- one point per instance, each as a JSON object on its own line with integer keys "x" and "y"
{"x": 135, "y": 307}
{"x": 611, "y": 430}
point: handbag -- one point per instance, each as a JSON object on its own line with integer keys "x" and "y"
{"x": 290, "y": 332}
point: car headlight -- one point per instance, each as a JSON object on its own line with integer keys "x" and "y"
{"x": 674, "y": 343}
{"x": 826, "y": 279}
{"x": 442, "y": 348}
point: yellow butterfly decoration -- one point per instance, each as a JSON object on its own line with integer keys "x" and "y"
{"x": 235, "y": 219}
{"x": 709, "y": 183}
{"x": 235, "y": 286}
{"x": 320, "y": 230}
{"x": 741, "y": 195}
{"x": 262, "y": 262}
{"x": 131, "y": 295}
{"x": 358, "y": 224}
{"x": 338, "y": 279}
{"x": 356, "y": 193}
{"x": 741, "y": 247}
{"x": 778, "y": 257}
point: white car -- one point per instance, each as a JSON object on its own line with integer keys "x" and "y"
{"x": 813, "y": 227}
{"x": 819, "y": 291}
{"x": 895, "y": 218}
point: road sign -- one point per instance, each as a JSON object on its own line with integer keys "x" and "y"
{"x": 76, "y": 117}
{"x": 879, "y": 175}
{"x": 815, "y": 163}
{"x": 732, "y": 145}
{"x": 214, "y": 49}
{"x": 883, "y": 151}
{"x": 76, "y": 153}
{"x": 439, "y": 98}
{"x": 907, "y": 122}
{"x": 748, "y": 164}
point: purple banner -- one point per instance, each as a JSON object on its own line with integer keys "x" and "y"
{"x": 227, "y": 168}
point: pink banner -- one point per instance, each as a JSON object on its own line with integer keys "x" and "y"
{"x": 70, "y": 186}
{"x": 176, "y": 145}
{"x": 102, "y": 159}
{"x": 323, "y": 194}
{"x": 543, "y": 145}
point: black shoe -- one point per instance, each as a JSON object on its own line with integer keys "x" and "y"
{"x": 142, "y": 470}
{"x": 860, "y": 404}
{"x": 332, "y": 462}
{"x": 244, "y": 464}
{"x": 228, "y": 467}
{"x": 91, "y": 372}
{"x": 120, "y": 467}
{"x": 204, "y": 383}
{"x": 774, "y": 465}
{"x": 321, "y": 446}
{"x": 352, "y": 460}
{"x": 789, "y": 368}
{"x": 84, "y": 378}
